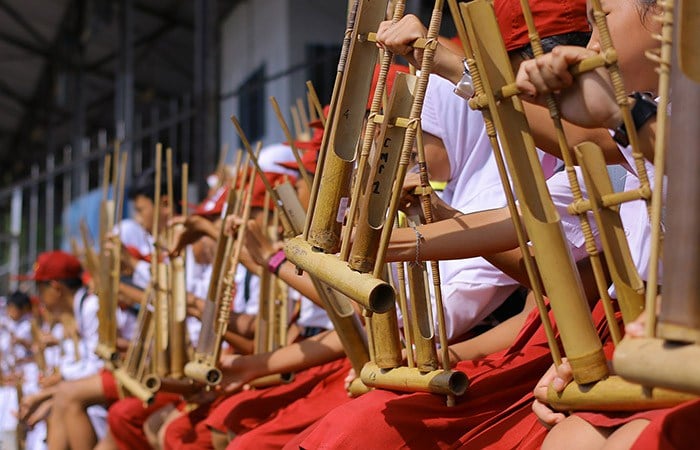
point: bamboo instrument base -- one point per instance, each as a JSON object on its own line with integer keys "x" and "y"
{"x": 656, "y": 362}
{"x": 107, "y": 353}
{"x": 613, "y": 394}
{"x": 133, "y": 386}
{"x": 203, "y": 372}
{"x": 272, "y": 380}
{"x": 406, "y": 379}
{"x": 183, "y": 386}
{"x": 676, "y": 332}
{"x": 374, "y": 294}
{"x": 357, "y": 388}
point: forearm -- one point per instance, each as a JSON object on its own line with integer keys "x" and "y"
{"x": 544, "y": 134}
{"x": 466, "y": 236}
{"x": 494, "y": 340}
{"x": 242, "y": 324}
{"x": 314, "y": 351}
{"x": 302, "y": 283}
{"x": 239, "y": 343}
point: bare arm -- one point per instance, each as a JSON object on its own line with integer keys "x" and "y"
{"x": 308, "y": 353}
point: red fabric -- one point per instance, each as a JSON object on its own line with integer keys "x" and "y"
{"x": 214, "y": 204}
{"x": 127, "y": 416}
{"x": 309, "y": 159}
{"x": 390, "y": 77}
{"x": 675, "y": 429}
{"x": 552, "y": 17}
{"x": 109, "y": 386}
{"x": 246, "y": 410}
{"x": 420, "y": 420}
{"x": 189, "y": 431}
{"x": 293, "y": 419}
{"x": 55, "y": 265}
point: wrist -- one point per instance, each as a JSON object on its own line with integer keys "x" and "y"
{"x": 275, "y": 261}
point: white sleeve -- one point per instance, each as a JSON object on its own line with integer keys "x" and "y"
{"x": 142, "y": 274}
{"x": 88, "y": 363}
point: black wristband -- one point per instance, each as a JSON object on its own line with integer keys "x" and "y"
{"x": 644, "y": 108}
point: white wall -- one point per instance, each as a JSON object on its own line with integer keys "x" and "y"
{"x": 274, "y": 32}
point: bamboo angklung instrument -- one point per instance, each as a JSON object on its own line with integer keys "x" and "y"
{"x": 140, "y": 352}
{"x": 669, "y": 353}
{"x": 202, "y": 367}
{"x": 175, "y": 313}
{"x": 492, "y": 74}
{"x": 338, "y": 307}
{"x": 314, "y": 251}
{"x": 270, "y": 322}
{"x": 107, "y": 346}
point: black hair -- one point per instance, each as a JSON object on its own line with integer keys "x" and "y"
{"x": 578, "y": 38}
{"x": 644, "y": 7}
{"x": 20, "y": 300}
{"x": 71, "y": 283}
{"x": 145, "y": 185}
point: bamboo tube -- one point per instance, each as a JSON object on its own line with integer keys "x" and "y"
{"x": 679, "y": 317}
{"x": 133, "y": 386}
{"x": 380, "y": 186}
{"x": 290, "y": 140}
{"x": 304, "y": 118}
{"x": 613, "y": 394}
{"x": 688, "y": 26}
{"x": 657, "y": 362}
{"x": 272, "y": 380}
{"x": 184, "y": 386}
{"x": 561, "y": 281}
{"x": 369, "y": 291}
{"x": 421, "y": 319}
{"x": 628, "y": 285}
{"x": 406, "y": 379}
{"x": 178, "y": 308}
{"x": 663, "y": 58}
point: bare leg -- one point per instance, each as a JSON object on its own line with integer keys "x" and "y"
{"x": 174, "y": 414}
{"x": 69, "y": 413}
{"x": 155, "y": 422}
{"x": 220, "y": 440}
{"x": 575, "y": 434}
{"x": 107, "y": 442}
{"x": 626, "y": 435}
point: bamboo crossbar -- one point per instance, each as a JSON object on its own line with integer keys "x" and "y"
{"x": 406, "y": 379}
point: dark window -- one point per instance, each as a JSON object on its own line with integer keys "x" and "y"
{"x": 251, "y": 107}
{"x": 323, "y": 66}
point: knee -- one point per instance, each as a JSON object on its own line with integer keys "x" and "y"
{"x": 219, "y": 440}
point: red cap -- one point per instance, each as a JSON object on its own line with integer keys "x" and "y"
{"x": 317, "y": 123}
{"x": 214, "y": 204}
{"x": 552, "y": 17}
{"x": 308, "y": 159}
{"x": 274, "y": 178}
{"x": 313, "y": 144}
{"x": 56, "y": 265}
{"x": 390, "y": 77}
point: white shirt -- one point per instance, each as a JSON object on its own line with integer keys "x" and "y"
{"x": 85, "y": 308}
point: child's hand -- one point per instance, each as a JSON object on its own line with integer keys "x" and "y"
{"x": 558, "y": 378}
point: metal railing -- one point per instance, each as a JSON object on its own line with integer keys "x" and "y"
{"x": 32, "y": 211}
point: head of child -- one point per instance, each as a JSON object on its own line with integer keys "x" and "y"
{"x": 631, "y": 24}
{"x": 142, "y": 196}
{"x": 58, "y": 276}
{"x": 18, "y": 304}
